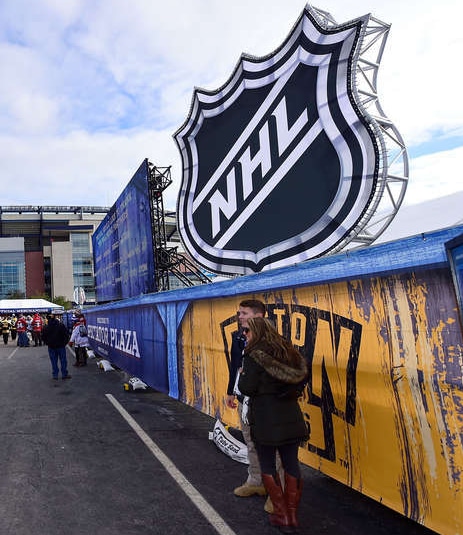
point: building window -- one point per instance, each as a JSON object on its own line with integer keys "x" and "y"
{"x": 12, "y": 275}
{"x": 82, "y": 265}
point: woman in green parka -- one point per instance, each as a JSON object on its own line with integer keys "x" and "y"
{"x": 272, "y": 377}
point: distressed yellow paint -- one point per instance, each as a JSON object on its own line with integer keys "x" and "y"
{"x": 404, "y": 447}
{"x": 204, "y": 367}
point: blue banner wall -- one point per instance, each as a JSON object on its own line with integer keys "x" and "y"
{"x": 141, "y": 335}
{"x": 134, "y": 339}
{"x": 123, "y": 244}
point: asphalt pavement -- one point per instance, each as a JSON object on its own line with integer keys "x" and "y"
{"x": 84, "y": 456}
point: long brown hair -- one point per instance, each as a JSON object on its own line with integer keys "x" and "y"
{"x": 265, "y": 336}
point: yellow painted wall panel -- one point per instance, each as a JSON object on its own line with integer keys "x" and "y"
{"x": 384, "y": 399}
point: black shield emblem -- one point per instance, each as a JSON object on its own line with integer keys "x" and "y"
{"x": 279, "y": 164}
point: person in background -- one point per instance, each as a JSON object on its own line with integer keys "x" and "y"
{"x": 29, "y": 328}
{"x": 13, "y": 327}
{"x": 56, "y": 337}
{"x": 273, "y": 376}
{"x": 5, "y": 325}
{"x": 21, "y": 328}
{"x": 37, "y": 326}
{"x": 79, "y": 339}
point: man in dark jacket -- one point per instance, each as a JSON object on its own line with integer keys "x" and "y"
{"x": 248, "y": 308}
{"x": 56, "y": 336}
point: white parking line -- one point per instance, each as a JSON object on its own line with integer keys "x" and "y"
{"x": 12, "y": 354}
{"x": 209, "y": 512}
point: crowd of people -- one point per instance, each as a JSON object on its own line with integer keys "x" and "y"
{"x": 23, "y": 330}
{"x": 37, "y": 330}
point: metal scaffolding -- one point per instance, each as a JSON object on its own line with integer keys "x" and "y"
{"x": 393, "y": 165}
{"x": 167, "y": 260}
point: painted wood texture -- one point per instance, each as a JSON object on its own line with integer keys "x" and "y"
{"x": 384, "y": 398}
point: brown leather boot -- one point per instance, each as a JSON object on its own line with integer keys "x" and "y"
{"x": 279, "y": 517}
{"x": 293, "y": 491}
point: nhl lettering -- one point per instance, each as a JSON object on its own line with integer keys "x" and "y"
{"x": 246, "y": 165}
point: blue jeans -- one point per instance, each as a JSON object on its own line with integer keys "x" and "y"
{"x": 56, "y": 353}
{"x": 23, "y": 340}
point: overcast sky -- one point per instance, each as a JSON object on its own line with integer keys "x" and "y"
{"x": 89, "y": 88}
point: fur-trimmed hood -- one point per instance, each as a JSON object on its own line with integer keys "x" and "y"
{"x": 283, "y": 371}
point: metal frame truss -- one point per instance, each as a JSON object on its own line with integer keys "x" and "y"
{"x": 393, "y": 170}
{"x": 167, "y": 260}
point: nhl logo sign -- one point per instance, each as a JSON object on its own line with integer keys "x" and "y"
{"x": 281, "y": 163}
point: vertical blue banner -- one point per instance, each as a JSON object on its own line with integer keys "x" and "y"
{"x": 123, "y": 244}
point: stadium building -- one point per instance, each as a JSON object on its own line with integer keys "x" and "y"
{"x": 48, "y": 250}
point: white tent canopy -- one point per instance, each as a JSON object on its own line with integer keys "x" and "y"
{"x": 29, "y": 306}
